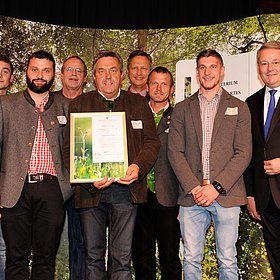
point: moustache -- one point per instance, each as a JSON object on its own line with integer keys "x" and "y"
{"x": 39, "y": 80}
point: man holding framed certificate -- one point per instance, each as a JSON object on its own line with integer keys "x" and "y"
{"x": 109, "y": 201}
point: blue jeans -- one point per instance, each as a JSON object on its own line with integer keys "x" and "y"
{"x": 2, "y": 256}
{"x": 116, "y": 211}
{"x": 76, "y": 243}
{"x": 194, "y": 222}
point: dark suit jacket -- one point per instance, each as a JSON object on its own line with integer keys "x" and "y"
{"x": 143, "y": 144}
{"x": 230, "y": 151}
{"x": 18, "y": 125}
{"x": 258, "y": 184}
{"x": 165, "y": 178}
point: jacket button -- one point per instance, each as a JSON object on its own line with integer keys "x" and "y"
{"x": 29, "y": 145}
{"x": 21, "y": 178}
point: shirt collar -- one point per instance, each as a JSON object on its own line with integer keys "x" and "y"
{"x": 43, "y": 103}
{"x": 119, "y": 93}
{"x": 142, "y": 93}
{"x": 218, "y": 94}
{"x": 267, "y": 89}
{"x": 164, "y": 108}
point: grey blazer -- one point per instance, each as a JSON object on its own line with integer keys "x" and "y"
{"x": 230, "y": 152}
{"x": 18, "y": 124}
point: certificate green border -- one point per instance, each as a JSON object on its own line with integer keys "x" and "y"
{"x": 82, "y": 168}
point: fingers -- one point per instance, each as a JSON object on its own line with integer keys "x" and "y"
{"x": 104, "y": 183}
{"x": 255, "y": 215}
{"x": 204, "y": 202}
{"x": 127, "y": 180}
{"x": 131, "y": 175}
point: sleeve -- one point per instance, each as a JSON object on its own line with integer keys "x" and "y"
{"x": 147, "y": 156}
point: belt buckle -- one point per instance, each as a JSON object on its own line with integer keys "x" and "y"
{"x": 34, "y": 181}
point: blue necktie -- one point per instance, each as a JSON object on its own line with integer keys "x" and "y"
{"x": 270, "y": 111}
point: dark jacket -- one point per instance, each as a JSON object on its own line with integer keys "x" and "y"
{"x": 165, "y": 179}
{"x": 143, "y": 144}
{"x": 258, "y": 184}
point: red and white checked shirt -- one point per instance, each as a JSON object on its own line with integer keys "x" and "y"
{"x": 41, "y": 160}
{"x": 208, "y": 111}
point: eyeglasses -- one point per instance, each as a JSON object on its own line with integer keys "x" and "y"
{"x": 71, "y": 69}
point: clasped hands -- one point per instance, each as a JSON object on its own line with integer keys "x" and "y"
{"x": 272, "y": 167}
{"x": 204, "y": 195}
{"x": 130, "y": 176}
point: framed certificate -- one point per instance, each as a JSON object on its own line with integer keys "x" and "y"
{"x": 98, "y": 146}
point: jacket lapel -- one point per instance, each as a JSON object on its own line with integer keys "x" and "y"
{"x": 196, "y": 118}
{"x": 165, "y": 121}
{"x": 258, "y": 113}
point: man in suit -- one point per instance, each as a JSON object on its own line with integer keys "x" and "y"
{"x": 262, "y": 177}
{"x": 157, "y": 218}
{"x": 110, "y": 202}
{"x": 33, "y": 181}
{"x": 209, "y": 149}
{"x": 74, "y": 77}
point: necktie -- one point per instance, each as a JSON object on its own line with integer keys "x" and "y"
{"x": 270, "y": 111}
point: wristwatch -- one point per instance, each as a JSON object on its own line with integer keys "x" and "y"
{"x": 219, "y": 188}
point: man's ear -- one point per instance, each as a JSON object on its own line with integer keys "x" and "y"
{"x": 122, "y": 75}
{"x": 11, "y": 79}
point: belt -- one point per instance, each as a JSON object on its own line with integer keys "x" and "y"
{"x": 39, "y": 177}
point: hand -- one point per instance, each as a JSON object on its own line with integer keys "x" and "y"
{"x": 104, "y": 183}
{"x": 251, "y": 207}
{"x": 272, "y": 167}
{"x": 0, "y": 213}
{"x": 195, "y": 190}
{"x": 206, "y": 195}
{"x": 131, "y": 175}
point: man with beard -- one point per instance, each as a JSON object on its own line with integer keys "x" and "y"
{"x": 33, "y": 181}
{"x": 209, "y": 149}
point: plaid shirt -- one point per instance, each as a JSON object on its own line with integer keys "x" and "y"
{"x": 41, "y": 160}
{"x": 208, "y": 111}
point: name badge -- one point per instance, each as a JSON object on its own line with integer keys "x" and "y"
{"x": 232, "y": 111}
{"x": 62, "y": 119}
{"x": 137, "y": 124}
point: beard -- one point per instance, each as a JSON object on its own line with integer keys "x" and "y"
{"x": 39, "y": 89}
